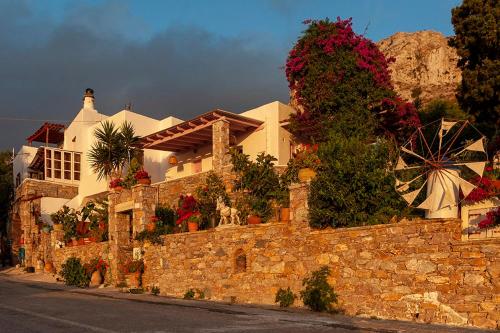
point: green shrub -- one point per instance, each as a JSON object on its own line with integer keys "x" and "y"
{"x": 318, "y": 295}
{"x": 155, "y": 290}
{"x": 189, "y": 294}
{"x": 74, "y": 273}
{"x": 285, "y": 297}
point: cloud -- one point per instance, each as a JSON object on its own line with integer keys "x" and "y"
{"x": 182, "y": 71}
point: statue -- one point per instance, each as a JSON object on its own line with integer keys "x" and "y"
{"x": 227, "y": 212}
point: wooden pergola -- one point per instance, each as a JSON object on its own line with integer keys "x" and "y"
{"x": 48, "y": 133}
{"x": 197, "y": 131}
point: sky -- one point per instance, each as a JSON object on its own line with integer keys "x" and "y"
{"x": 179, "y": 58}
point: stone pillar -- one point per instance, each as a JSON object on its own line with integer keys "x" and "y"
{"x": 119, "y": 239}
{"x": 298, "y": 204}
{"x": 144, "y": 197}
{"x": 220, "y": 144}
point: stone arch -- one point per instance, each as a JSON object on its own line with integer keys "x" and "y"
{"x": 240, "y": 261}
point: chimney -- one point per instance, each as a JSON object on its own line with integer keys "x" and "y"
{"x": 88, "y": 99}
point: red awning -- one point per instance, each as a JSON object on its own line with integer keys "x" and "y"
{"x": 197, "y": 131}
{"x": 48, "y": 133}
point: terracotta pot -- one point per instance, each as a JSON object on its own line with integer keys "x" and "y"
{"x": 306, "y": 174}
{"x": 92, "y": 240}
{"x": 172, "y": 160}
{"x": 49, "y": 267}
{"x": 285, "y": 214}
{"x": 133, "y": 279}
{"x": 74, "y": 241}
{"x": 144, "y": 181}
{"x": 192, "y": 226}
{"x": 96, "y": 279}
{"x": 151, "y": 226}
{"x": 81, "y": 241}
{"x": 58, "y": 227}
{"x": 496, "y": 184}
{"x": 117, "y": 188}
{"x": 102, "y": 225}
{"x": 254, "y": 219}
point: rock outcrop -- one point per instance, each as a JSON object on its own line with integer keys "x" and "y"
{"x": 423, "y": 62}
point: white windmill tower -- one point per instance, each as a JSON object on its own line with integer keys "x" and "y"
{"x": 440, "y": 155}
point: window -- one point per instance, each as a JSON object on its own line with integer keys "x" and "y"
{"x": 196, "y": 166}
{"x": 62, "y": 165}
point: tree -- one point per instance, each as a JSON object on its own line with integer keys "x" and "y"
{"x": 333, "y": 72}
{"x": 476, "y": 40}
{"x": 440, "y": 108}
{"x": 6, "y": 188}
{"x": 113, "y": 150}
{"x": 342, "y": 85}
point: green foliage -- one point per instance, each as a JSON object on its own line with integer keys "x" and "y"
{"x": 166, "y": 219}
{"x": 189, "y": 294}
{"x": 69, "y": 219}
{"x": 130, "y": 180}
{"x": 192, "y": 293}
{"x": 476, "y": 41}
{"x": 152, "y": 236}
{"x": 285, "y": 297}
{"x": 207, "y": 196}
{"x": 155, "y": 290}
{"x": 113, "y": 150}
{"x": 317, "y": 294}
{"x": 6, "y": 188}
{"x": 440, "y": 108}
{"x": 354, "y": 186}
{"x": 74, "y": 273}
{"x": 258, "y": 180}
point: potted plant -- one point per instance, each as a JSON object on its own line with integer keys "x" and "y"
{"x": 69, "y": 220}
{"x": 143, "y": 177}
{"x": 193, "y": 221}
{"x": 307, "y": 162}
{"x": 207, "y": 196}
{"x": 97, "y": 270}
{"x": 116, "y": 184}
{"x": 133, "y": 270}
{"x": 258, "y": 208}
{"x": 151, "y": 226}
{"x": 187, "y": 208}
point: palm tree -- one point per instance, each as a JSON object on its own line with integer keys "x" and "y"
{"x": 113, "y": 149}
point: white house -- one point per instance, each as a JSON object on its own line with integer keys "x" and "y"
{"x": 62, "y": 157}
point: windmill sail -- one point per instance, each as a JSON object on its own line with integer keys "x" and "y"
{"x": 411, "y": 196}
{"x": 477, "y": 167}
{"x": 476, "y": 146}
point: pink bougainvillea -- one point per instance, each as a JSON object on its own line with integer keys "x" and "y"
{"x": 492, "y": 219}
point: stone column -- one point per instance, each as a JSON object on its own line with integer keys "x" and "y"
{"x": 220, "y": 144}
{"x": 298, "y": 205}
{"x": 144, "y": 197}
{"x": 119, "y": 239}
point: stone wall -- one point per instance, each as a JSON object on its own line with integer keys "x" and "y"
{"x": 416, "y": 270}
{"x": 169, "y": 191}
{"x": 27, "y": 196}
{"x": 86, "y": 253}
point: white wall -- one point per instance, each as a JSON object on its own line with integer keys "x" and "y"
{"x": 22, "y": 160}
{"x": 50, "y": 205}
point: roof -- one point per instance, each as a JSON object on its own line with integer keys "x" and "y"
{"x": 37, "y": 163}
{"x": 197, "y": 131}
{"x": 48, "y": 133}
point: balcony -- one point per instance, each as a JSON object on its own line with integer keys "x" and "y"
{"x": 58, "y": 165}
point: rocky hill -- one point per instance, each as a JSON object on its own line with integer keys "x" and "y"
{"x": 423, "y": 61}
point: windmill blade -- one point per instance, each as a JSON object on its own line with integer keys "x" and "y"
{"x": 406, "y": 150}
{"x": 446, "y": 126}
{"x": 447, "y": 198}
{"x": 427, "y": 203}
{"x": 402, "y": 186}
{"x": 411, "y": 196}
{"x": 465, "y": 186}
{"x": 477, "y": 167}
{"x": 401, "y": 165}
{"x": 477, "y": 145}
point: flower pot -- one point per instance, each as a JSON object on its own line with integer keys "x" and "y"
{"x": 306, "y": 174}
{"x": 285, "y": 214}
{"x": 151, "y": 226}
{"x": 117, "y": 188}
{"x": 46, "y": 230}
{"x": 102, "y": 225}
{"x": 96, "y": 279}
{"x": 92, "y": 239}
{"x": 496, "y": 185}
{"x": 49, "y": 267}
{"x": 144, "y": 181}
{"x": 172, "y": 160}
{"x": 254, "y": 219}
{"x": 74, "y": 241}
{"x": 58, "y": 227}
{"x": 133, "y": 279}
{"x": 81, "y": 241}
{"x": 192, "y": 226}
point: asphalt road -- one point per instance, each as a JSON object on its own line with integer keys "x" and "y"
{"x": 38, "y": 307}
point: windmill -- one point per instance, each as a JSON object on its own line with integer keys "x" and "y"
{"x": 440, "y": 156}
